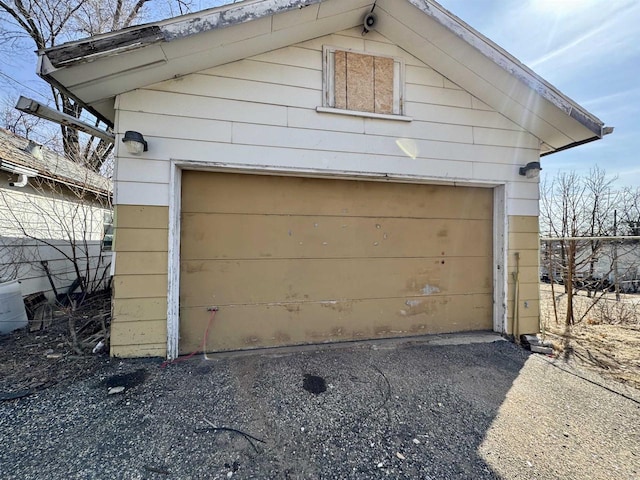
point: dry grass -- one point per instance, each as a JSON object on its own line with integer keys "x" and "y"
{"x": 605, "y": 338}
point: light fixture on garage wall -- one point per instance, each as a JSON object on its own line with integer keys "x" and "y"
{"x": 135, "y": 142}
{"x": 531, "y": 170}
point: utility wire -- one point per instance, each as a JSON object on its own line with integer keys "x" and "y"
{"x": 25, "y": 86}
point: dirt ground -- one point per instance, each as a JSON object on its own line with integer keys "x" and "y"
{"x": 33, "y": 361}
{"x": 604, "y": 339}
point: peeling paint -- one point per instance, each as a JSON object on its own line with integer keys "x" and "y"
{"x": 413, "y": 303}
{"x": 230, "y": 15}
{"x": 430, "y": 289}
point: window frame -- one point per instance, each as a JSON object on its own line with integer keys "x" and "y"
{"x": 328, "y": 85}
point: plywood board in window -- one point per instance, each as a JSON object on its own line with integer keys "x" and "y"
{"x": 340, "y": 79}
{"x": 360, "y": 82}
{"x": 383, "y": 85}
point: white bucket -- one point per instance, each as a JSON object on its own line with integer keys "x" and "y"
{"x": 12, "y": 312}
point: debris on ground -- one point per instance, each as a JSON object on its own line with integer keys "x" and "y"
{"x": 57, "y": 351}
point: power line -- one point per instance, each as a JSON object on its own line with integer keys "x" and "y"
{"x": 25, "y": 86}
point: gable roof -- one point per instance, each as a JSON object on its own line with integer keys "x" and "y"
{"x": 96, "y": 70}
{"x": 18, "y": 151}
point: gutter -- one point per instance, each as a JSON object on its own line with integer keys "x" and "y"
{"x": 604, "y": 131}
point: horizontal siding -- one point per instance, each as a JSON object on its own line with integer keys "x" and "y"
{"x": 524, "y": 239}
{"x": 139, "y": 333}
{"x": 140, "y": 286}
{"x": 139, "y": 307}
{"x": 140, "y": 350}
{"x": 261, "y": 111}
{"x": 141, "y": 216}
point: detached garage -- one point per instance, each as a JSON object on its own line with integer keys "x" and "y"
{"x": 317, "y": 181}
{"x": 293, "y": 260}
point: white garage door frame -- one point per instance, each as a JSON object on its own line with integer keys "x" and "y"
{"x": 175, "y": 193}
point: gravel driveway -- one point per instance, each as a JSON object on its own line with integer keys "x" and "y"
{"x": 432, "y": 409}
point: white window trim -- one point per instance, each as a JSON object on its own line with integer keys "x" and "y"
{"x": 328, "y": 90}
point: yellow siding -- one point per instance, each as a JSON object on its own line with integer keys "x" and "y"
{"x": 139, "y": 326}
{"x": 524, "y": 239}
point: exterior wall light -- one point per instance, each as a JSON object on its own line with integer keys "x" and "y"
{"x": 531, "y": 170}
{"x": 135, "y": 142}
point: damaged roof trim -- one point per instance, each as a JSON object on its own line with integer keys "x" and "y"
{"x": 167, "y": 30}
{"x": 509, "y": 63}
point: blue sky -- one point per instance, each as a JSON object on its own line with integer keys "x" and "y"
{"x": 588, "y": 49}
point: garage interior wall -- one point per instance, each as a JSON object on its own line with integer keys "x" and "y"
{"x": 260, "y": 112}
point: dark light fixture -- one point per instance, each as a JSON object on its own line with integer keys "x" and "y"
{"x": 531, "y": 170}
{"x": 135, "y": 142}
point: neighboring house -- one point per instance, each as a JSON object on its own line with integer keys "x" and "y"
{"x": 612, "y": 260}
{"x": 316, "y": 182}
{"x": 52, "y": 220}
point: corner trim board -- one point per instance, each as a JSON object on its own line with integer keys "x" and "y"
{"x": 173, "y": 278}
{"x": 500, "y": 249}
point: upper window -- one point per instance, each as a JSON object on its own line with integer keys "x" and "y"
{"x": 362, "y": 82}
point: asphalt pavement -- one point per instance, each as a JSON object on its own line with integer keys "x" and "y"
{"x": 442, "y": 407}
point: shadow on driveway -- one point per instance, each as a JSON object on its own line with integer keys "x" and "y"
{"x": 401, "y": 410}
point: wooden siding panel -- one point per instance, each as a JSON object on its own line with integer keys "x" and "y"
{"x": 139, "y": 309}
{"x": 268, "y": 73}
{"x": 202, "y": 106}
{"x": 223, "y": 282}
{"x": 142, "y": 240}
{"x": 305, "y": 118}
{"x": 423, "y": 76}
{"x": 296, "y": 196}
{"x": 136, "y": 193}
{"x": 244, "y": 90}
{"x": 437, "y": 96}
{"x": 164, "y": 125}
{"x": 242, "y": 236}
{"x": 144, "y": 350}
{"x": 140, "y": 286}
{"x": 374, "y": 145}
{"x": 139, "y": 333}
{"x": 458, "y": 116}
{"x": 140, "y": 263}
{"x": 142, "y": 170}
{"x": 247, "y": 326}
{"x": 505, "y": 138}
{"x": 293, "y": 56}
{"x": 522, "y": 224}
{"x": 524, "y": 239}
{"x": 141, "y": 216}
{"x": 419, "y": 130}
